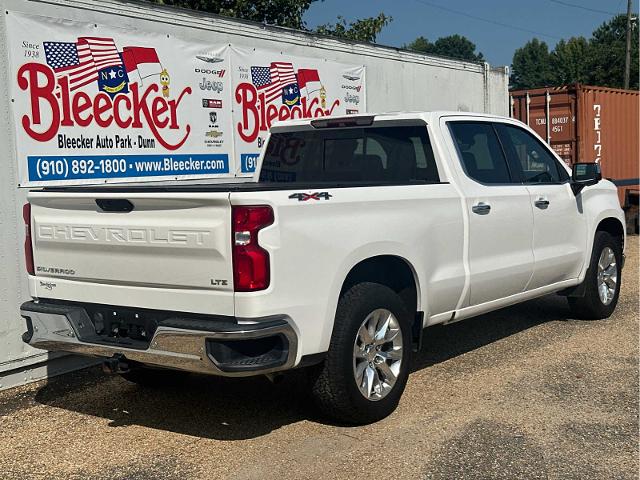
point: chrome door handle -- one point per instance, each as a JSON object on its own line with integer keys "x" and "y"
{"x": 541, "y": 203}
{"x": 481, "y": 208}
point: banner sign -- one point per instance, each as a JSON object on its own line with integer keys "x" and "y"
{"x": 100, "y": 104}
{"x": 270, "y": 86}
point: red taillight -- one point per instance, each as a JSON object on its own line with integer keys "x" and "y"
{"x": 250, "y": 261}
{"x": 28, "y": 249}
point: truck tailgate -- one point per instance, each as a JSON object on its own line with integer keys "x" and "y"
{"x": 178, "y": 240}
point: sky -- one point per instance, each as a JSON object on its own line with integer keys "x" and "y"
{"x": 548, "y": 20}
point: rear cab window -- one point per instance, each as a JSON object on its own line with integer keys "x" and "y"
{"x": 369, "y": 155}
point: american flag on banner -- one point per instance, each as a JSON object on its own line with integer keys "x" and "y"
{"x": 271, "y": 80}
{"x": 81, "y": 61}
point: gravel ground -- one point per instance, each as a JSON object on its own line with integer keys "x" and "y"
{"x": 525, "y": 392}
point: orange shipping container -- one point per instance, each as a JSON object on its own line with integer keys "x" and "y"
{"x": 587, "y": 124}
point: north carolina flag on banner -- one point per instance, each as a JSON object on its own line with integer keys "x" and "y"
{"x": 142, "y": 61}
{"x": 309, "y": 79}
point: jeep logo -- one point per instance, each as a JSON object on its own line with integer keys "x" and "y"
{"x": 211, "y": 85}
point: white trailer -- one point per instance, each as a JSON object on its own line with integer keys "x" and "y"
{"x": 391, "y": 80}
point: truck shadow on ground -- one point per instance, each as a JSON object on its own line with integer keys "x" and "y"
{"x": 236, "y": 409}
{"x": 443, "y": 342}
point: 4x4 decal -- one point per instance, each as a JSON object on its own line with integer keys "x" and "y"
{"x": 303, "y": 197}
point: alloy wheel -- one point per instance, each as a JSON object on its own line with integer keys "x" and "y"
{"x": 377, "y": 354}
{"x": 607, "y": 275}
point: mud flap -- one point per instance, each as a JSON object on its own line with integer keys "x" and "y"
{"x": 416, "y": 331}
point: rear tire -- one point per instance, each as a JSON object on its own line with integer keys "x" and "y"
{"x": 602, "y": 281}
{"x": 367, "y": 365}
{"x": 155, "y": 377}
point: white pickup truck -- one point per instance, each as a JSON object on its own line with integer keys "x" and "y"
{"x": 356, "y": 234}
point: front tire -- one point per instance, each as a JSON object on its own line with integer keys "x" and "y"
{"x": 602, "y": 281}
{"x": 369, "y": 357}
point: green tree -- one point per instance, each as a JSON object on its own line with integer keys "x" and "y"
{"x": 420, "y": 44}
{"x": 284, "y": 13}
{"x": 364, "y": 30}
{"x": 531, "y": 66}
{"x": 597, "y": 61}
{"x": 569, "y": 61}
{"x": 455, "y": 46}
{"x": 607, "y": 52}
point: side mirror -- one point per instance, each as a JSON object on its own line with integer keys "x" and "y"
{"x": 583, "y": 175}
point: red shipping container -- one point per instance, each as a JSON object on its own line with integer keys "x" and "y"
{"x": 587, "y": 124}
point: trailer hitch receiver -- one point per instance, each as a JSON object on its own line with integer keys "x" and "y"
{"x": 116, "y": 364}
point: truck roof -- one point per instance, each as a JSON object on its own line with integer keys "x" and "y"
{"x": 427, "y": 116}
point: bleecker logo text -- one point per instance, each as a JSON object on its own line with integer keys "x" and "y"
{"x": 64, "y": 109}
{"x": 258, "y": 114}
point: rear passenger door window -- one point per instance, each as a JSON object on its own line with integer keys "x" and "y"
{"x": 529, "y": 156}
{"x": 480, "y": 152}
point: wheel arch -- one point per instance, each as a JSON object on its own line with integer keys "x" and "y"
{"x": 610, "y": 220}
{"x": 609, "y": 223}
{"x": 357, "y": 266}
{"x": 393, "y": 271}
{"x": 614, "y": 227}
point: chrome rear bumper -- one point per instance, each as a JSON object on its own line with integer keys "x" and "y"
{"x": 178, "y": 343}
